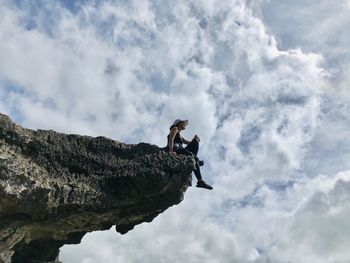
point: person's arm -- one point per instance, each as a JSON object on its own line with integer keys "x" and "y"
{"x": 171, "y": 139}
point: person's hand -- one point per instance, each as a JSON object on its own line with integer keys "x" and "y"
{"x": 172, "y": 153}
{"x": 197, "y": 138}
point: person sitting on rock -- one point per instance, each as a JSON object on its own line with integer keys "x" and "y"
{"x": 174, "y": 146}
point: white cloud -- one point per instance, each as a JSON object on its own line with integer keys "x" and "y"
{"x": 320, "y": 26}
{"x": 317, "y": 26}
{"x": 317, "y": 230}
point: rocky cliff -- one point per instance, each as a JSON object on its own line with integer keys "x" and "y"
{"x": 55, "y": 187}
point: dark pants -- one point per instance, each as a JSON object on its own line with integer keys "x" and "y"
{"x": 192, "y": 149}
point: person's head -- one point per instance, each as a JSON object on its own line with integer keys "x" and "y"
{"x": 180, "y": 124}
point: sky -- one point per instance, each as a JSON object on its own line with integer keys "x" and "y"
{"x": 265, "y": 85}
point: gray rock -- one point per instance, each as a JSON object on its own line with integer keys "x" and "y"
{"x": 55, "y": 187}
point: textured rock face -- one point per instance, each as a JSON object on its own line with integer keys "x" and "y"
{"x": 54, "y": 188}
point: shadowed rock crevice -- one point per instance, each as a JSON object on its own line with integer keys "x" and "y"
{"x": 54, "y": 188}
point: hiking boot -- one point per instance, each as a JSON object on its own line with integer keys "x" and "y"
{"x": 203, "y": 184}
{"x": 200, "y": 163}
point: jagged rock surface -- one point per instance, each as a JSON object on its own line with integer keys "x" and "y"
{"x": 54, "y": 188}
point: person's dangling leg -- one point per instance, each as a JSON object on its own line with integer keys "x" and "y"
{"x": 200, "y": 181}
{"x": 197, "y": 173}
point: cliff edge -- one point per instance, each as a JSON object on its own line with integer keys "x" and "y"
{"x": 55, "y": 187}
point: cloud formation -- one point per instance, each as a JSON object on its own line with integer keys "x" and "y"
{"x": 261, "y": 101}
{"x": 320, "y": 27}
